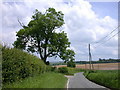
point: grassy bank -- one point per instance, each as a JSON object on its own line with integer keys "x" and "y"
{"x": 46, "y": 80}
{"x": 107, "y": 78}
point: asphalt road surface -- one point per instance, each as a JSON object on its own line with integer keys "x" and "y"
{"x": 79, "y": 81}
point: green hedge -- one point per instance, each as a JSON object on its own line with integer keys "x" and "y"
{"x": 17, "y": 65}
{"x": 63, "y": 70}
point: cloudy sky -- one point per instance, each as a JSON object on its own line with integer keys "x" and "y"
{"x": 85, "y": 22}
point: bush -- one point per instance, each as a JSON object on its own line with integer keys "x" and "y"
{"x": 48, "y": 68}
{"x": 71, "y": 64}
{"x": 53, "y": 68}
{"x": 63, "y": 70}
{"x": 87, "y": 72}
{"x": 17, "y": 65}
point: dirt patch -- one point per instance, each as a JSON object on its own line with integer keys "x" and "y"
{"x": 101, "y": 66}
{"x": 60, "y": 66}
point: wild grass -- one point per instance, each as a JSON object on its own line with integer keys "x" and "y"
{"x": 107, "y": 78}
{"x": 46, "y": 80}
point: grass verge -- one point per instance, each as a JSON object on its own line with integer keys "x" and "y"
{"x": 46, "y": 80}
{"x": 107, "y": 78}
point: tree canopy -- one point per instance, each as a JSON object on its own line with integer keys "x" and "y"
{"x": 40, "y": 36}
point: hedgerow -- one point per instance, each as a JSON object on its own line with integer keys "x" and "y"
{"x": 63, "y": 70}
{"x": 17, "y": 65}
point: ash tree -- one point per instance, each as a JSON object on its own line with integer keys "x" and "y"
{"x": 40, "y": 36}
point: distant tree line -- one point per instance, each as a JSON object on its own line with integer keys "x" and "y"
{"x": 109, "y": 60}
{"x": 87, "y": 62}
{"x": 99, "y": 61}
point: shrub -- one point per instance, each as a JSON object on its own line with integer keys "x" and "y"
{"x": 48, "y": 68}
{"x": 71, "y": 64}
{"x": 87, "y": 72}
{"x": 17, "y": 65}
{"x": 63, "y": 70}
{"x": 53, "y": 68}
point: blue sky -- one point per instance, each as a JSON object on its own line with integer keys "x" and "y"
{"x": 85, "y": 22}
{"x": 106, "y": 9}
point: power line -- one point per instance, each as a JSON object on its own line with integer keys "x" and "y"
{"x": 90, "y": 57}
{"x": 107, "y": 35}
{"x": 108, "y": 39}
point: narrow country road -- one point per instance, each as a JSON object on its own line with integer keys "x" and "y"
{"x": 79, "y": 81}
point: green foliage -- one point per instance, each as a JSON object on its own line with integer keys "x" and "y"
{"x": 17, "y": 65}
{"x": 40, "y": 36}
{"x": 46, "y": 80}
{"x": 100, "y": 61}
{"x": 108, "y": 78}
{"x": 53, "y": 69}
{"x": 71, "y": 64}
{"x": 63, "y": 70}
{"x": 67, "y": 55}
{"x": 72, "y": 71}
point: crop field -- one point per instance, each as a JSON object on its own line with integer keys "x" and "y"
{"x": 101, "y": 66}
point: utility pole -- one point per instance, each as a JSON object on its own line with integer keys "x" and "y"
{"x": 90, "y": 59}
{"x": 85, "y": 65}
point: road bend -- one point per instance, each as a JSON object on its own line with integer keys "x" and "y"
{"x": 79, "y": 81}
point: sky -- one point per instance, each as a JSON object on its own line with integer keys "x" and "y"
{"x": 85, "y": 22}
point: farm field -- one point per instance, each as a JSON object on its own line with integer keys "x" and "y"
{"x": 100, "y": 66}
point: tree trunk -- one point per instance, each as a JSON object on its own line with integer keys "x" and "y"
{"x": 44, "y": 55}
{"x": 44, "y": 59}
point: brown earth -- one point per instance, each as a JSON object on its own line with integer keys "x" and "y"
{"x": 100, "y": 66}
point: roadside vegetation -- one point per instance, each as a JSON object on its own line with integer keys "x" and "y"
{"x": 107, "y": 78}
{"x": 69, "y": 70}
{"x": 46, "y": 80}
{"x": 23, "y": 70}
{"x": 72, "y": 71}
{"x": 17, "y": 65}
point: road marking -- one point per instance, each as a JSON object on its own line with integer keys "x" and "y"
{"x": 67, "y": 84}
{"x": 68, "y": 77}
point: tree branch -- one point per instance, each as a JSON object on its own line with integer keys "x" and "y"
{"x": 21, "y": 24}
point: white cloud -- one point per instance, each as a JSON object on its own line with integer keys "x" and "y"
{"x": 82, "y": 24}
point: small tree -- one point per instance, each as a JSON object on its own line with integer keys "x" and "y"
{"x": 40, "y": 36}
{"x": 100, "y": 59}
{"x": 71, "y": 64}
